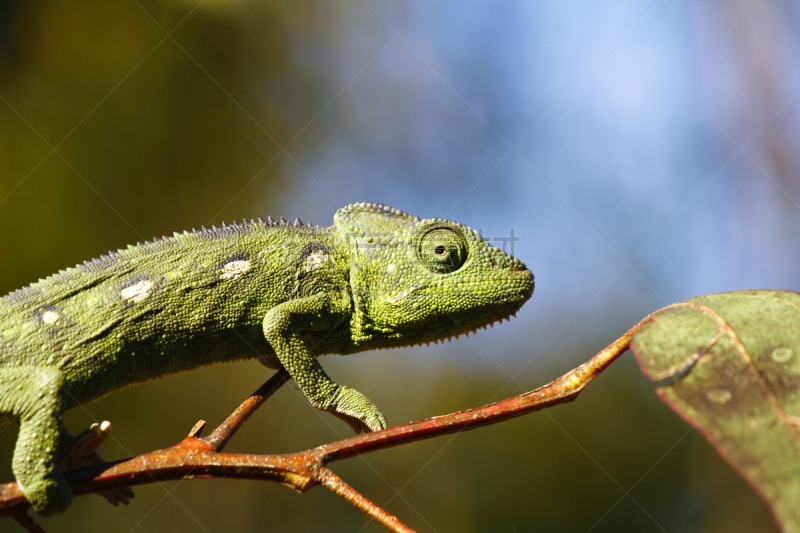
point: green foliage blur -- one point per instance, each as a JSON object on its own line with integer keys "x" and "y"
{"x": 122, "y": 120}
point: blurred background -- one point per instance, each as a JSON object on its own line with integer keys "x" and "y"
{"x": 643, "y": 153}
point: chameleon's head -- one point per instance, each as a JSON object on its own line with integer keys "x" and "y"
{"x": 415, "y": 281}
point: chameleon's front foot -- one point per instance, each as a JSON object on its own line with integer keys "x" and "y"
{"x": 282, "y": 326}
{"x": 356, "y": 409}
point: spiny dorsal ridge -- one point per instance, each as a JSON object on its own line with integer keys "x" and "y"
{"x": 297, "y": 222}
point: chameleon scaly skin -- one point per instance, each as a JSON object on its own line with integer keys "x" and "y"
{"x": 287, "y": 293}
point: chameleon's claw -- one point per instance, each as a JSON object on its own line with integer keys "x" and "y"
{"x": 377, "y": 422}
{"x": 357, "y": 411}
{"x": 84, "y": 453}
{"x": 86, "y": 444}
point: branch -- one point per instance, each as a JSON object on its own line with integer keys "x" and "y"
{"x": 225, "y": 431}
{"x": 201, "y": 457}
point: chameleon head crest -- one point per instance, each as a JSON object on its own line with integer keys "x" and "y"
{"x": 366, "y": 222}
{"x": 415, "y": 280}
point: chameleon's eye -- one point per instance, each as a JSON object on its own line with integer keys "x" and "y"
{"x": 443, "y": 250}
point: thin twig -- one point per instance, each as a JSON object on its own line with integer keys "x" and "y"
{"x": 27, "y": 522}
{"x": 336, "y": 485}
{"x": 563, "y": 389}
{"x": 194, "y": 457}
{"x": 225, "y": 431}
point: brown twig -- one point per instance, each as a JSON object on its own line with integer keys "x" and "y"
{"x": 27, "y": 522}
{"x": 336, "y": 485}
{"x": 225, "y": 431}
{"x": 196, "y": 457}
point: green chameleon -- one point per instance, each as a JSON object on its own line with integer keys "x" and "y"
{"x": 282, "y": 292}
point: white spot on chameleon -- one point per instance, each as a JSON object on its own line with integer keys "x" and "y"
{"x": 50, "y": 317}
{"x": 235, "y": 269}
{"x": 138, "y": 292}
{"x": 719, "y": 395}
{"x": 315, "y": 260}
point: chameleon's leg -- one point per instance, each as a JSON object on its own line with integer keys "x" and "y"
{"x": 282, "y": 327}
{"x": 32, "y": 394}
{"x": 81, "y": 451}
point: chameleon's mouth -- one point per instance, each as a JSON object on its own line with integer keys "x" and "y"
{"x": 508, "y": 286}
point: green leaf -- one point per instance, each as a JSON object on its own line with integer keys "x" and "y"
{"x": 734, "y": 360}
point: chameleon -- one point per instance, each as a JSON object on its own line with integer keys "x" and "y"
{"x": 282, "y": 292}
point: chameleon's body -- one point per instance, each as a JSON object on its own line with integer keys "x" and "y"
{"x": 286, "y": 293}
